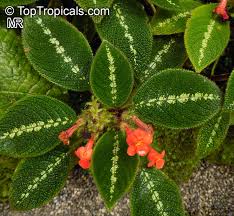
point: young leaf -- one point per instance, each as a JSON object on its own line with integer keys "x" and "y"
{"x": 163, "y": 55}
{"x": 17, "y": 78}
{"x": 127, "y": 29}
{"x": 155, "y": 194}
{"x": 229, "y": 96}
{"x": 62, "y": 58}
{"x": 31, "y": 127}
{"x": 37, "y": 180}
{"x": 4, "y": 3}
{"x": 111, "y": 76}
{"x": 205, "y": 36}
{"x": 100, "y": 4}
{"x": 212, "y": 134}
{"x": 177, "y": 98}
{"x": 113, "y": 170}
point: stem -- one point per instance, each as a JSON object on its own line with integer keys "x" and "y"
{"x": 214, "y": 66}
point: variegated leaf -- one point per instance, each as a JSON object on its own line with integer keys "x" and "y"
{"x": 62, "y": 58}
{"x": 4, "y": 3}
{"x": 127, "y": 29}
{"x": 206, "y": 36}
{"x": 155, "y": 194}
{"x": 32, "y": 125}
{"x": 177, "y": 98}
{"x": 111, "y": 76}
{"x": 229, "y": 95}
{"x": 17, "y": 77}
{"x": 95, "y": 4}
{"x": 212, "y": 134}
{"x": 163, "y": 55}
{"x": 113, "y": 169}
{"x": 37, "y": 180}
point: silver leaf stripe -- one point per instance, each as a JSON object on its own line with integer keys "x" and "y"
{"x": 34, "y": 127}
{"x": 60, "y": 49}
{"x": 173, "y": 19}
{"x": 42, "y": 176}
{"x": 170, "y": 2}
{"x": 127, "y": 34}
{"x": 154, "y": 194}
{"x": 173, "y": 99}
{"x": 158, "y": 57}
{"x": 112, "y": 76}
{"x": 205, "y": 40}
{"x": 115, "y": 166}
{"x": 214, "y": 132}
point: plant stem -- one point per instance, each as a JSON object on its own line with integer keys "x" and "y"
{"x": 214, "y": 66}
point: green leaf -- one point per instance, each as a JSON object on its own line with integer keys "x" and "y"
{"x": 177, "y": 98}
{"x": 163, "y": 55}
{"x": 37, "y": 180}
{"x": 4, "y": 3}
{"x": 113, "y": 170}
{"x": 31, "y": 126}
{"x": 17, "y": 77}
{"x": 111, "y": 76}
{"x": 229, "y": 95}
{"x": 155, "y": 194}
{"x": 127, "y": 29}
{"x": 205, "y": 37}
{"x": 212, "y": 134}
{"x": 100, "y": 4}
{"x": 61, "y": 58}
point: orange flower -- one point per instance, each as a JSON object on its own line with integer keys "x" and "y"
{"x": 138, "y": 141}
{"x": 84, "y": 153}
{"x": 221, "y": 10}
{"x": 156, "y": 159}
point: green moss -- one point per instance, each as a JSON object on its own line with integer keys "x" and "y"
{"x": 180, "y": 147}
{"x": 7, "y": 167}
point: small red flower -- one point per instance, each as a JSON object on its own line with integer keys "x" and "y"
{"x": 138, "y": 141}
{"x": 84, "y": 153}
{"x": 65, "y": 135}
{"x": 221, "y": 10}
{"x": 156, "y": 159}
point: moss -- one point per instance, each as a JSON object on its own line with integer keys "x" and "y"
{"x": 180, "y": 147}
{"x": 7, "y": 167}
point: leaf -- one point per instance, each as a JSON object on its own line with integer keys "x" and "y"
{"x": 4, "y": 3}
{"x": 177, "y": 98}
{"x": 212, "y": 134}
{"x": 17, "y": 77}
{"x": 155, "y": 194}
{"x": 124, "y": 28}
{"x": 163, "y": 55}
{"x": 37, "y": 180}
{"x": 31, "y": 127}
{"x": 229, "y": 95}
{"x": 63, "y": 59}
{"x": 205, "y": 36}
{"x": 100, "y": 4}
{"x": 113, "y": 170}
{"x": 111, "y": 76}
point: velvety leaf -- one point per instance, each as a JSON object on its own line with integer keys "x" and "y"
{"x": 205, "y": 37}
{"x": 155, "y": 194}
{"x": 113, "y": 169}
{"x": 17, "y": 77}
{"x": 101, "y": 4}
{"x": 229, "y": 96}
{"x": 58, "y": 51}
{"x": 37, "y": 180}
{"x": 31, "y": 126}
{"x": 212, "y": 134}
{"x": 127, "y": 29}
{"x": 4, "y": 3}
{"x": 177, "y": 98}
{"x": 163, "y": 55}
{"x": 111, "y": 76}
